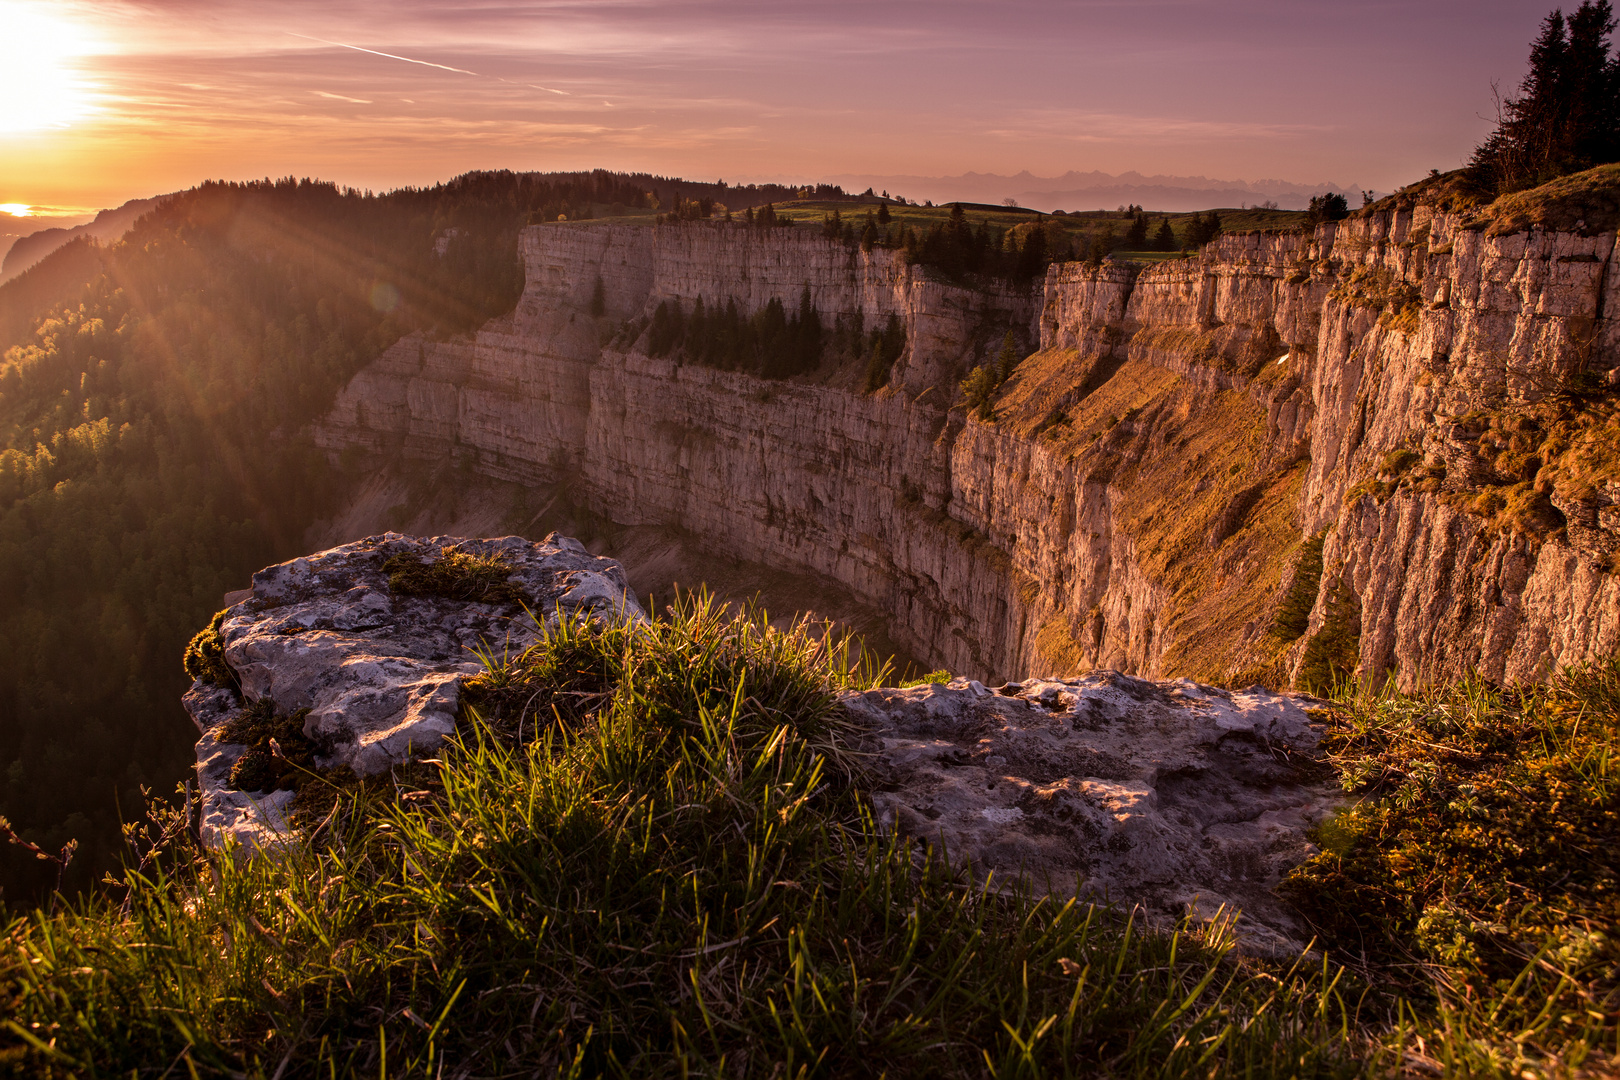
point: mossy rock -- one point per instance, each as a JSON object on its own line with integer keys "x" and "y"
{"x": 455, "y": 575}
{"x": 279, "y": 754}
{"x": 205, "y": 655}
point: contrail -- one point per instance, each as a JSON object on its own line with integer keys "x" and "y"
{"x": 427, "y": 63}
{"x": 391, "y": 56}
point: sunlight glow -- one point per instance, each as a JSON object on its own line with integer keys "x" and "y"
{"x": 39, "y": 87}
{"x": 17, "y": 209}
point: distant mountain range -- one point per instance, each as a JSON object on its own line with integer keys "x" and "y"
{"x": 107, "y": 225}
{"x": 1099, "y": 190}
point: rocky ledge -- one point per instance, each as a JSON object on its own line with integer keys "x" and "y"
{"x": 1170, "y": 795}
{"x": 369, "y": 649}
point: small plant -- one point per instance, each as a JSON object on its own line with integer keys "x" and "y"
{"x": 278, "y": 753}
{"x": 205, "y": 655}
{"x": 454, "y": 575}
{"x": 1476, "y": 868}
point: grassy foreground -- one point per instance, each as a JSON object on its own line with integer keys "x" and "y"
{"x": 647, "y": 855}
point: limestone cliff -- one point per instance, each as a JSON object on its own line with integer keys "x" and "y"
{"x": 1420, "y": 396}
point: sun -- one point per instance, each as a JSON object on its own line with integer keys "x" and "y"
{"x": 17, "y": 209}
{"x": 39, "y": 86}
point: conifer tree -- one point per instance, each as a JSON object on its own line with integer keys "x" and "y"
{"x": 1136, "y": 235}
{"x": 1165, "y": 238}
{"x": 1566, "y": 116}
{"x": 1007, "y": 359}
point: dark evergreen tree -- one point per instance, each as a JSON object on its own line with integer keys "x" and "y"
{"x": 1102, "y": 244}
{"x": 868, "y": 234}
{"x": 1202, "y": 229}
{"x": 1566, "y": 116}
{"x": 1136, "y": 235}
{"x": 1329, "y": 207}
{"x": 1165, "y": 238}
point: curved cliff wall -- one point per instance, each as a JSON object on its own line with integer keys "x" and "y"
{"x": 1390, "y": 386}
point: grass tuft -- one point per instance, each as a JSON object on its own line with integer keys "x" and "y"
{"x": 205, "y": 655}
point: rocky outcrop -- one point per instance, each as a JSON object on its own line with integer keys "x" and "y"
{"x": 1172, "y": 796}
{"x": 368, "y": 670}
{"x": 1404, "y": 385}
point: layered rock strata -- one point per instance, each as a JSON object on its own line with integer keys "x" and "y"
{"x": 375, "y": 672}
{"x": 1390, "y": 385}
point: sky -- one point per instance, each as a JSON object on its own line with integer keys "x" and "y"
{"x": 107, "y": 100}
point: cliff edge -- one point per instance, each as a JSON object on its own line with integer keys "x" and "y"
{"x": 1382, "y": 447}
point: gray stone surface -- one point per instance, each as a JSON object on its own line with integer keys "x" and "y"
{"x": 379, "y": 673}
{"x": 1173, "y": 796}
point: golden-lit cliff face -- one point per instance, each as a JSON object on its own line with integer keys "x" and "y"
{"x": 1404, "y": 399}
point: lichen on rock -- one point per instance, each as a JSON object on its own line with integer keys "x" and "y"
{"x": 1169, "y": 795}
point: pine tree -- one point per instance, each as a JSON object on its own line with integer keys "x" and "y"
{"x": 1566, "y": 116}
{"x": 1007, "y": 359}
{"x": 1136, "y": 235}
{"x": 1165, "y": 238}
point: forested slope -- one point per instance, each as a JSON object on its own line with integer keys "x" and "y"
{"x": 147, "y": 392}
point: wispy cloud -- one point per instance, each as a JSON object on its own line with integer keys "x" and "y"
{"x": 341, "y": 97}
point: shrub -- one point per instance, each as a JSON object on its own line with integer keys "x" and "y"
{"x": 1477, "y": 864}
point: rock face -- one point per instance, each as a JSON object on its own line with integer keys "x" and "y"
{"x": 379, "y": 672}
{"x": 1144, "y": 496}
{"x": 1174, "y": 796}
